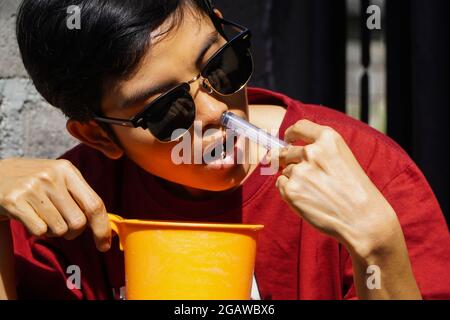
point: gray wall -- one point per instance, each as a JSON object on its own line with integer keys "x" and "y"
{"x": 28, "y": 125}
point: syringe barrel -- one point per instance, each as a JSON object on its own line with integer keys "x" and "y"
{"x": 241, "y": 127}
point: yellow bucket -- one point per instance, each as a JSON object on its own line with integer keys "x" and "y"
{"x": 187, "y": 261}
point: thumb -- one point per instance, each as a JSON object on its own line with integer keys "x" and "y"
{"x": 304, "y": 130}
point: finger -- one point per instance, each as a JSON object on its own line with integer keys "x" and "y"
{"x": 304, "y": 130}
{"x": 281, "y": 185}
{"x": 71, "y": 213}
{"x": 93, "y": 208}
{"x": 25, "y": 213}
{"x": 281, "y": 181}
{"x": 45, "y": 209}
{"x": 273, "y": 156}
{"x": 288, "y": 170}
{"x": 291, "y": 155}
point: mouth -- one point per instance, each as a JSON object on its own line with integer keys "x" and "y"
{"x": 219, "y": 149}
{"x": 223, "y": 152}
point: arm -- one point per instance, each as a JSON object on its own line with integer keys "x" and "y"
{"x": 396, "y": 278}
{"x": 7, "y": 280}
{"x": 50, "y": 198}
{"x": 324, "y": 183}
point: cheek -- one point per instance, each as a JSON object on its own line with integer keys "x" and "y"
{"x": 147, "y": 152}
{"x": 141, "y": 146}
{"x": 238, "y": 102}
{"x": 133, "y": 137}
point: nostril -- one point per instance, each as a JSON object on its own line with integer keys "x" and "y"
{"x": 209, "y": 110}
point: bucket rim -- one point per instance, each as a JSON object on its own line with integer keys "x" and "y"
{"x": 187, "y": 224}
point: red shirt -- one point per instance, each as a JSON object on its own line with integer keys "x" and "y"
{"x": 294, "y": 261}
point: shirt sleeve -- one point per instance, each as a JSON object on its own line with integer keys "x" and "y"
{"x": 425, "y": 231}
{"x": 40, "y": 268}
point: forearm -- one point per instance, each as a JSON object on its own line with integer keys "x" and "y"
{"x": 391, "y": 266}
{"x": 7, "y": 278}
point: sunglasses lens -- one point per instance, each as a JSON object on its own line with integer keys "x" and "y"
{"x": 228, "y": 71}
{"x": 171, "y": 115}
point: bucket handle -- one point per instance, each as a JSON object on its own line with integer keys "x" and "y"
{"x": 115, "y": 221}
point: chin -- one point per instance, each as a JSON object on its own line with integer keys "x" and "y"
{"x": 224, "y": 183}
{"x": 215, "y": 181}
{"x": 219, "y": 186}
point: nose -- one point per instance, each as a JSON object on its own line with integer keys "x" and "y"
{"x": 209, "y": 108}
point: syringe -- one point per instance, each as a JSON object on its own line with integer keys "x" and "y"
{"x": 241, "y": 127}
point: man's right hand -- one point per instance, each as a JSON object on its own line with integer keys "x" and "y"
{"x": 51, "y": 197}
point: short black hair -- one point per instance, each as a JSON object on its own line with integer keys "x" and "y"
{"x": 69, "y": 66}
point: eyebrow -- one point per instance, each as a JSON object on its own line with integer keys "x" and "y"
{"x": 144, "y": 94}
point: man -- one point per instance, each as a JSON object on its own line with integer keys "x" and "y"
{"x": 136, "y": 72}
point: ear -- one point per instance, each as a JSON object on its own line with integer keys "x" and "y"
{"x": 91, "y": 134}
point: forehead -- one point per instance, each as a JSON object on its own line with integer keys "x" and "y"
{"x": 170, "y": 55}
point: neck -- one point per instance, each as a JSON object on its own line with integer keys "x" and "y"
{"x": 189, "y": 193}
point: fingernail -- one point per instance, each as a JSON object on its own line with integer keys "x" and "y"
{"x": 107, "y": 245}
{"x": 103, "y": 246}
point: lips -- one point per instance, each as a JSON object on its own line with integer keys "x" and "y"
{"x": 212, "y": 145}
{"x": 230, "y": 154}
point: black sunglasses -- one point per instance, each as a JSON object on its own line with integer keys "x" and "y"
{"x": 173, "y": 113}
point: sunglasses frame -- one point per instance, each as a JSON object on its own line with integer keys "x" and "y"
{"x": 138, "y": 121}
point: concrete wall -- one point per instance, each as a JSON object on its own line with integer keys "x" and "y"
{"x": 28, "y": 125}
